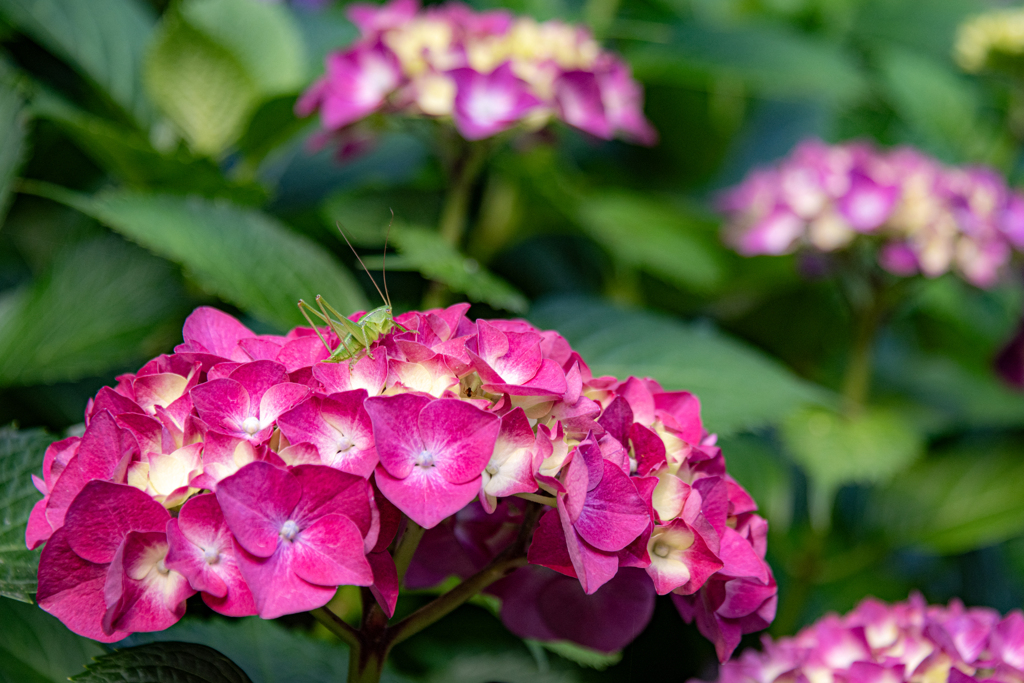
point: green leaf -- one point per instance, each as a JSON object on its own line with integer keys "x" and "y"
{"x": 213, "y": 62}
{"x": 426, "y": 251}
{"x": 654, "y": 236}
{"x": 512, "y": 668}
{"x": 131, "y": 157}
{"x": 241, "y": 255}
{"x": 835, "y": 450}
{"x": 164, "y": 663}
{"x": 584, "y": 656}
{"x": 935, "y": 101}
{"x": 262, "y": 36}
{"x": 21, "y": 455}
{"x": 266, "y": 651}
{"x": 102, "y": 303}
{"x": 12, "y": 142}
{"x": 765, "y": 475}
{"x": 36, "y": 648}
{"x": 771, "y": 60}
{"x": 968, "y": 497}
{"x": 200, "y": 85}
{"x": 103, "y": 39}
{"x": 738, "y": 386}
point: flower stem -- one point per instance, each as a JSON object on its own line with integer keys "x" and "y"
{"x": 406, "y": 547}
{"x": 513, "y": 557}
{"x": 336, "y": 626}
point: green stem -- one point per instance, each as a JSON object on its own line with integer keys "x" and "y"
{"x": 338, "y": 627}
{"x": 463, "y": 176}
{"x": 513, "y": 557}
{"x": 406, "y": 547}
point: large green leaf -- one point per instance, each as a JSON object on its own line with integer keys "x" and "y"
{"x": 200, "y": 85}
{"x": 834, "y": 450}
{"x": 214, "y": 61}
{"x": 263, "y": 37}
{"x": 130, "y": 157}
{"x": 102, "y": 39}
{"x": 164, "y": 663}
{"x": 101, "y": 304}
{"x": 266, "y": 651}
{"x": 21, "y": 455}
{"x": 739, "y": 387}
{"x": 654, "y": 236}
{"x": 513, "y": 668}
{"x": 241, "y": 255}
{"x": 771, "y": 60}
{"x": 12, "y": 142}
{"x": 36, "y": 648}
{"x": 935, "y": 101}
{"x": 426, "y": 251}
{"x": 966, "y": 498}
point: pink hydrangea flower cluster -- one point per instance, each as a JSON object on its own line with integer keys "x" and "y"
{"x": 246, "y": 468}
{"x": 881, "y": 643}
{"x": 925, "y": 217}
{"x": 487, "y": 71}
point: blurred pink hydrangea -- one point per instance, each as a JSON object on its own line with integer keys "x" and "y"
{"x": 925, "y": 217}
{"x": 486, "y": 71}
{"x": 248, "y": 469}
{"x": 882, "y": 643}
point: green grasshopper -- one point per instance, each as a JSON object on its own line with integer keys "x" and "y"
{"x": 355, "y": 337}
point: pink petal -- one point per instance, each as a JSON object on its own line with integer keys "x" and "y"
{"x": 224, "y": 404}
{"x": 214, "y": 332}
{"x": 258, "y": 376}
{"x": 150, "y": 600}
{"x": 326, "y": 491}
{"x": 278, "y": 399}
{"x": 255, "y": 502}
{"x": 277, "y": 589}
{"x": 71, "y": 589}
{"x": 614, "y": 513}
{"x": 385, "y": 581}
{"x": 593, "y": 567}
{"x": 425, "y": 495}
{"x": 460, "y": 436}
{"x": 104, "y": 513}
{"x": 367, "y": 373}
{"x": 303, "y": 352}
{"x": 396, "y": 430}
{"x": 329, "y": 552}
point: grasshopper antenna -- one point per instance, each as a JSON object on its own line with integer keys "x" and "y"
{"x": 384, "y": 261}
{"x": 365, "y": 269}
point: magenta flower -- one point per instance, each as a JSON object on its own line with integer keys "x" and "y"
{"x": 486, "y": 104}
{"x": 432, "y": 453}
{"x": 203, "y": 550}
{"x": 301, "y": 532}
{"x": 510, "y": 361}
{"x": 246, "y": 403}
{"x": 338, "y": 427}
{"x": 103, "y": 573}
{"x": 578, "y": 95}
{"x": 357, "y": 83}
{"x": 517, "y": 455}
{"x": 920, "y": 216}
{"x": 880, "y": 643}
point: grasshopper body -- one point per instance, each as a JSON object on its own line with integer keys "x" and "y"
{"x": 356, "y": 337}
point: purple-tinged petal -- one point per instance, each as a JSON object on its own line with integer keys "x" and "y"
{"x": 594, "y": 568}
{"x": 614, "y": 513}
{"x": 152, "y": 598}
{"x": 578, "y": 96}
{"x": 486, "y": 104}
{"x": 385, "y": 581}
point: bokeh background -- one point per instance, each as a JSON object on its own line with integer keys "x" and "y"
{"x": 151, "y": 162}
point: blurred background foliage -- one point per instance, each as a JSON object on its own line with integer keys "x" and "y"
{"x": 150, "y": 162}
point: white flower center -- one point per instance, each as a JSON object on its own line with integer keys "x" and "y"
{"x": 162, "y": 568}
{"x": 211, "y": 555}
{"x": 425, "y": 459}
{"x": 344, "y": 444}
{"x": 492, "y": 469}
{"x": 251, "y": 425}
{"x": 662, "y": 549}
{"x": 289, "y": 530}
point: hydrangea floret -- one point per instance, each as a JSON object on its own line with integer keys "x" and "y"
{"x": 924, "y": 217}
{"x": 883, "y": 643}
{"x": 252, "y": 470}
{"x": 486, "y": 72}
